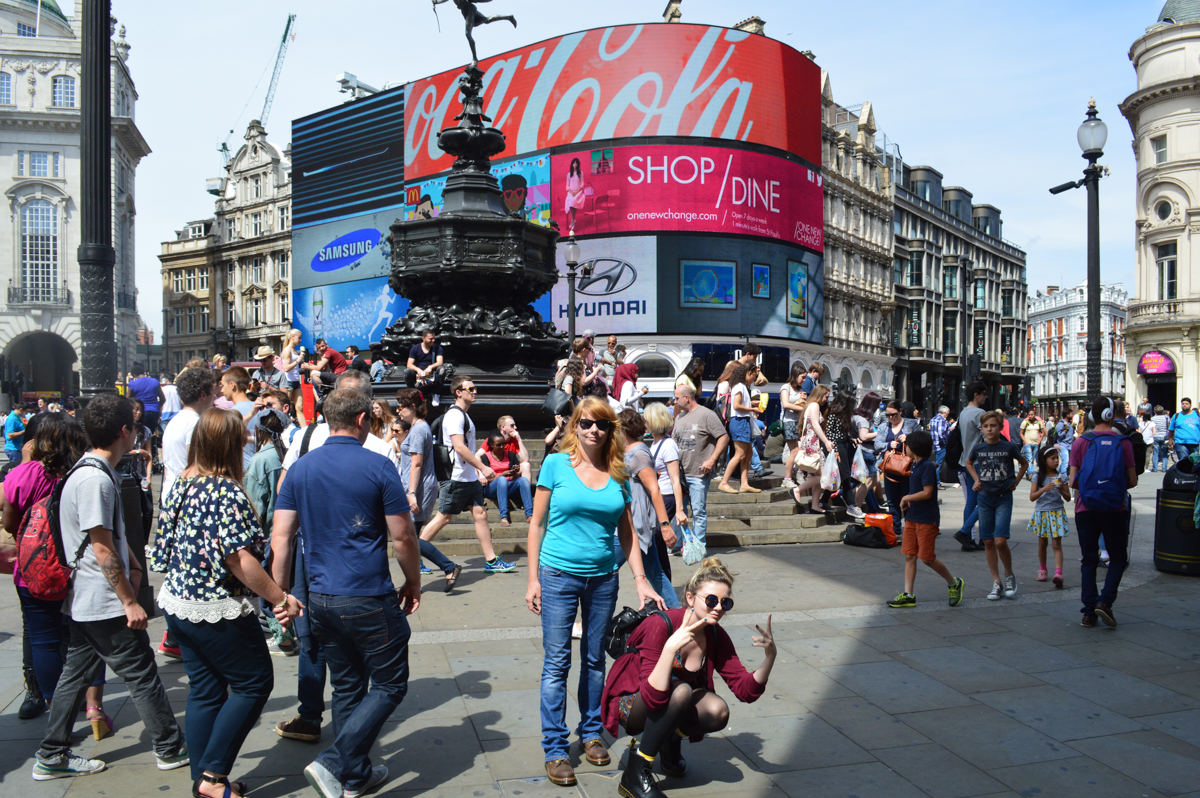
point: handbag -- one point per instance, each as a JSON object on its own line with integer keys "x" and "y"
{"x": 557, "y": 403}
{"x": 897, "y": 464}
{"x": 693, "y": 547}
{"x": 808, "y": 458}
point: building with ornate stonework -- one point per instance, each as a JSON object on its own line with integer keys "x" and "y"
{"x": 40, "y": 51}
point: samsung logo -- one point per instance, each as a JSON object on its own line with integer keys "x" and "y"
{"x": 345, "y": 250}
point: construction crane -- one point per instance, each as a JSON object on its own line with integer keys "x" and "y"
{"x": 288, "y": 35}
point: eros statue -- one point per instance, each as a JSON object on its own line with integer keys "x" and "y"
{"x": 473, "y": 17}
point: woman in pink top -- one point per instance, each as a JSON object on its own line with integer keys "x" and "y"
{"x": 574, "y": 194}
{"x": 59, "y": 442}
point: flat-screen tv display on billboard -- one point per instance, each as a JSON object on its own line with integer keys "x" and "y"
{"x": 344, "y": 251}
{"x": 629, "y": 81}
{"x": 524, "y": 181}
{"x": 620, "y": 295}
{"x": 346, "y": 313}
{"x": 685, "y": 188}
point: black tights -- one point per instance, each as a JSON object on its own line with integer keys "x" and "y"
{"x": 692, "y": 711}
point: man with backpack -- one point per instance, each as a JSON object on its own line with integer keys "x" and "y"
{"x": 107, "y": 625}
{"x": 1183, "y": 435}
{"x": 1102, "y": 469}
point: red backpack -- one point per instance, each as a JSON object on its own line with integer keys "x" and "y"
{"x": 44, "y": 566}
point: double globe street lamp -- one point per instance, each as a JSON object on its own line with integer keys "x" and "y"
{"x": 1092, "y": 135}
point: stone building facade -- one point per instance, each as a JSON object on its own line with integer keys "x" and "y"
{"x": 227, "y": 279}
{"x": 40, "y": 140}
{"x": 1163, "y": 333}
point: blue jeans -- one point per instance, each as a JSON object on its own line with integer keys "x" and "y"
{"x": 655, "y": 575}
{"x": 1158, "y": 461}
{"x": 995, "y": 515}
{"x": 895, "y": 491}
{"x": 971, "y": 510}
{"x": 1116, "y": 528}
{"x": 1182, "y": 450}
{"x": 1030, "y": 450}
{"x": 939, "y": 457}
{"x": 230, "y": 678}
{"x": 596, "y": 598}
{"x": 698, "y": 497}
{"x": 755, "y": 462}
{"x": 498, "y": 489}
{"x": 430, "y": 552}
{"x": 46, "y": 628}
{"x": 365, "y": 642}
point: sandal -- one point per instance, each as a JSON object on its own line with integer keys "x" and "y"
{"x": 240, "y": 786}
{"x": 505, "y": 521}
{"x": 101, "y": 726}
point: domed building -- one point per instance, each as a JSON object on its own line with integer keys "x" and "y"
{"x": 1162, "y": 337}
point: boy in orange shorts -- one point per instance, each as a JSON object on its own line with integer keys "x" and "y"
{"x": 921, "y": 519}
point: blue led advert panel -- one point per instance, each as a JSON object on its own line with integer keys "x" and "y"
{"x": 343, "y": 251}
{"x": 346, "y": 313}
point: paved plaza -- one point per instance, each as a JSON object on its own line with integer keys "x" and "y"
{"x": 1008, "y": 698}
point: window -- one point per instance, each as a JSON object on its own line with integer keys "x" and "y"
{"x": 20, "y": 163}
{"x": 914, "y": 270}
{"x": 178, "y": 362}
{"x": 121, "y": 177}
{"x": 177, "y": 318}
{"x": 229, "y": 229}
{"x": 177, "y": 282}
{"x": 655, "y": 367}
{"x": 950, "y": 283}
{"x": 204, "y": 279}
{"x": 1006, "y": 302}
{"x": 283, "y": 307}
{"x": 55, "y": 157}
{"x": 284, "y": 262}
{"x": 39, "y": 164}
{"x": 256, "y": 270}
{"x": 196, "y": 231}
{"x": 1166, "y": 262}
{"x": 898, "y": 267}
{"x": 256, "y": 224}
{"x": 950, "y": 338}
{"x": 285, "y": 215}
{"x": 1159, "y": 145}
{"x": 64, "y": 92}
{"x": 980, "y": 294}
{"x": 921, "y": 189}
{"x": 1163, "y": 210}
{"x": 26, "y": 30}
{"x": 898, "y": 223}
{"x": 256, "y": 311}
{"x": 1080, "y": 381}
{"x": 255, "y": 187}
{"x": 191, "y": 319}
{"x": 204, "y": 318}
{"x": 190, "y": 276}
{"x": 6, "y": 97}
{"x": 39, "y": 250}
{"x": 230, "y": 275}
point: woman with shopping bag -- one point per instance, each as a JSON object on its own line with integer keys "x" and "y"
{"x": 839, "y": 428}
{"x": 809, "y": 456}
{"x": 896, "y": 464}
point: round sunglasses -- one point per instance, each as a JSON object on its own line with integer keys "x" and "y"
{"x": 600, "y": 424}
{"x": 712, "y": 601}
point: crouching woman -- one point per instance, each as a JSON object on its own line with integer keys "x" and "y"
{"x": 664, "y": 689}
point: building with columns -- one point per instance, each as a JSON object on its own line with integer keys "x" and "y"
{"x": 1163, "y": 332}
{"x": 227, "y": 279}
{"x": 1058, "y": 345}
{"x": 40, "y": 51}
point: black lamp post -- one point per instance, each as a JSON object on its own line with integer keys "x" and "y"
{"x": 232, "y": 343}
{"x": 1093, "y": 133}
{"x": 571, "y": 252}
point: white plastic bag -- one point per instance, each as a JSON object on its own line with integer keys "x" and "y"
{"x": 831, "y": 477}
{"x": 693, "y": 548}
{"x": 858, "y": 469}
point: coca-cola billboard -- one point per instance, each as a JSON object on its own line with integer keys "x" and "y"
{"x": 685, "y": 188}
{"x": 629, "y": 81}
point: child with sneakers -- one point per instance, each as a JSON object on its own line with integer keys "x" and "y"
{"x": 1049, "y": 521}
{"x": 921, "y": 520}
{"x": 990, "y": 465}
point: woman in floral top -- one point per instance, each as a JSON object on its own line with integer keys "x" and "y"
{"x": 209, "y": 545}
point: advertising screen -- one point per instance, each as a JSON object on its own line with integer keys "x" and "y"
{"x": 524, "y": 181}
{"x": 625, "y": 81}
{"x": 346, "y": 313}
{"x": 1155, "y": 362}
{"x": 676, "y": 187}
{"x": 621, "y": 293}
{"x": 343, "y": 251}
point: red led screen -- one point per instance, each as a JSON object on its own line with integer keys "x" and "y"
{"x": 668, "y": 187}
{"x": 629, "y": 81}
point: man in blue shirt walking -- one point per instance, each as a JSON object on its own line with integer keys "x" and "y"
{"x": 14, "y": 431}
{"x": 349, "y": 501}
{"x": 1184, "y": 432}
{"x": 939, "y": 429}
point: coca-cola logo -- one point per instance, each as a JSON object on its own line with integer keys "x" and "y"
{"x": 630, "y": 81}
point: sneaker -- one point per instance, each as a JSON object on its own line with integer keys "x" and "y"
{"x": 170, "y": 652}
{"x": 997, "y": 592}
{"x": 425, "y": 569}
{"x": 173, "y": 761}
{"x": 66, "y": 767}
{"x": 1042, "y": 575}
{"x": 1105, "y": 613}
{"x": 1010, "y": 586}
{"x": 955, "y": 591}
{"x": 1088, "y": 620}
{"x": 903, "y": 600}
{"x": 499, "y": 566}
{"x": 379, "y": 775}
{"x": 277, "y": 650}
{"x": 436, "y": 400}
{"x": 299, "y": 729}
{"x": 324, "y": 782}
{"x": 855, "y": 513}
{"x": 1058, "y": 579}
{"x": 788, "y": 482}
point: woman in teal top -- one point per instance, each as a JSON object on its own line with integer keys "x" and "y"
{"x": 582, "y": 499}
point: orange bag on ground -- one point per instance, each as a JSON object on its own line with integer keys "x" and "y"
{"x": 884, "y": 522}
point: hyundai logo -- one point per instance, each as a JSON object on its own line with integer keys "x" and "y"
{"x": 609, "y": 276}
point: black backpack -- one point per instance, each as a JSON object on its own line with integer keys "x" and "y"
{"x": 1139, "y": 444}
{"x": 443, "y": 463}
{"x": 868, "y": 537}
{"x": 620, "y": 629}
{"x": 954, "y": 452}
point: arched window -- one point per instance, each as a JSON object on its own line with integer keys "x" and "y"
{"x": 867, "y": 382}
{"x": 654, "y": 367}
{"x": 64, "y": 92}
{"x": 39, "y": 250}
{"x": 6, "y": 97}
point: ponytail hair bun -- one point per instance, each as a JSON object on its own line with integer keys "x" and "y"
{"x": 710, "y": 570}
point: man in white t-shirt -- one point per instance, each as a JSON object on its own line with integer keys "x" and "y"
{"x": 170, "y": 403}
{"x": 195, "y": 388}
{"x": 464, "y": 489}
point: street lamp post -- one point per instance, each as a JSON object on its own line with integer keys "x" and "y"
{"x": 571, "y": 252}
{"x": 1092, "y": 135}
{"x": 232, "y": 343}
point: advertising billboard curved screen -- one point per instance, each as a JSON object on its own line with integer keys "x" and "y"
{"x": 629, "y": 81}
{"x": 685, "y": 188}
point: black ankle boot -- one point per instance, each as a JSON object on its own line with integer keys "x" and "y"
{"x": 670, "y": 758}
{"x": 638, "y": 780}
{"x": 34, "y": 704}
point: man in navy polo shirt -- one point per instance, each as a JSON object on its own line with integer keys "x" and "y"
{"x": 350, "y": 501}
{"x": 1184, "y": 430}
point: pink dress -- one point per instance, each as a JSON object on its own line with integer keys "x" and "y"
{"x": 25, "y": 486}
{"x": 574, "y": 192}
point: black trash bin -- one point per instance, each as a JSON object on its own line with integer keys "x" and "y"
{"x": 1176, "y": 539}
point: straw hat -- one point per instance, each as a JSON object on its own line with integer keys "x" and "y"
{"x": 264, "y": 351}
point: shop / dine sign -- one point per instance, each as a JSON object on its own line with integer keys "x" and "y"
{"x": 1155, "y": 362}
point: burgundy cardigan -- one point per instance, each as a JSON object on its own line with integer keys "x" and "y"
{"x": 631, "y": 673}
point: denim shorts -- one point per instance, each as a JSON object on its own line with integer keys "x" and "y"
{"x": 739, "y": 429}
{"x": 869, "y": 459}
{"x": 293, "y": 385}
{"x": 455, "y": 497}
{"x": 995, "y": 515}
{"x": 791, "y": 430}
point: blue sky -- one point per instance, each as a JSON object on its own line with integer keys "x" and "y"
{"x": 990, "y": 94}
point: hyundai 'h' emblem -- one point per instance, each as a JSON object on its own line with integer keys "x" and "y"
{"x": 610, "y": 276}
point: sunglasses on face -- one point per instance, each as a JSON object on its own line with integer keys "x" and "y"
{"x": 600, "y": 424}
{"x": 472, "y": 389}
{"x": 712, "y": 601}
{"x": 892, "y": 415}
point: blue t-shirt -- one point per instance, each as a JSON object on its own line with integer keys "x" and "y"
{"x": 923, "y": 512}
{"x": 1186, "y": 427}
{"x": 146, "y": 389}
{"x": 342, "y": 493}
{"x": 581, "y": 522}
{"x": 13, "y": 423}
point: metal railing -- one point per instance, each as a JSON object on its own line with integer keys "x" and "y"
{"x": 126, "y": 301}
{"x": 39, "y": 295}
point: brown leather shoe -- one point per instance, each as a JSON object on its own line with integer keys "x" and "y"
{"x": 596, "y": 753}
{"x": 560, "y": 772}
{"x": 1105, "y": 613}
